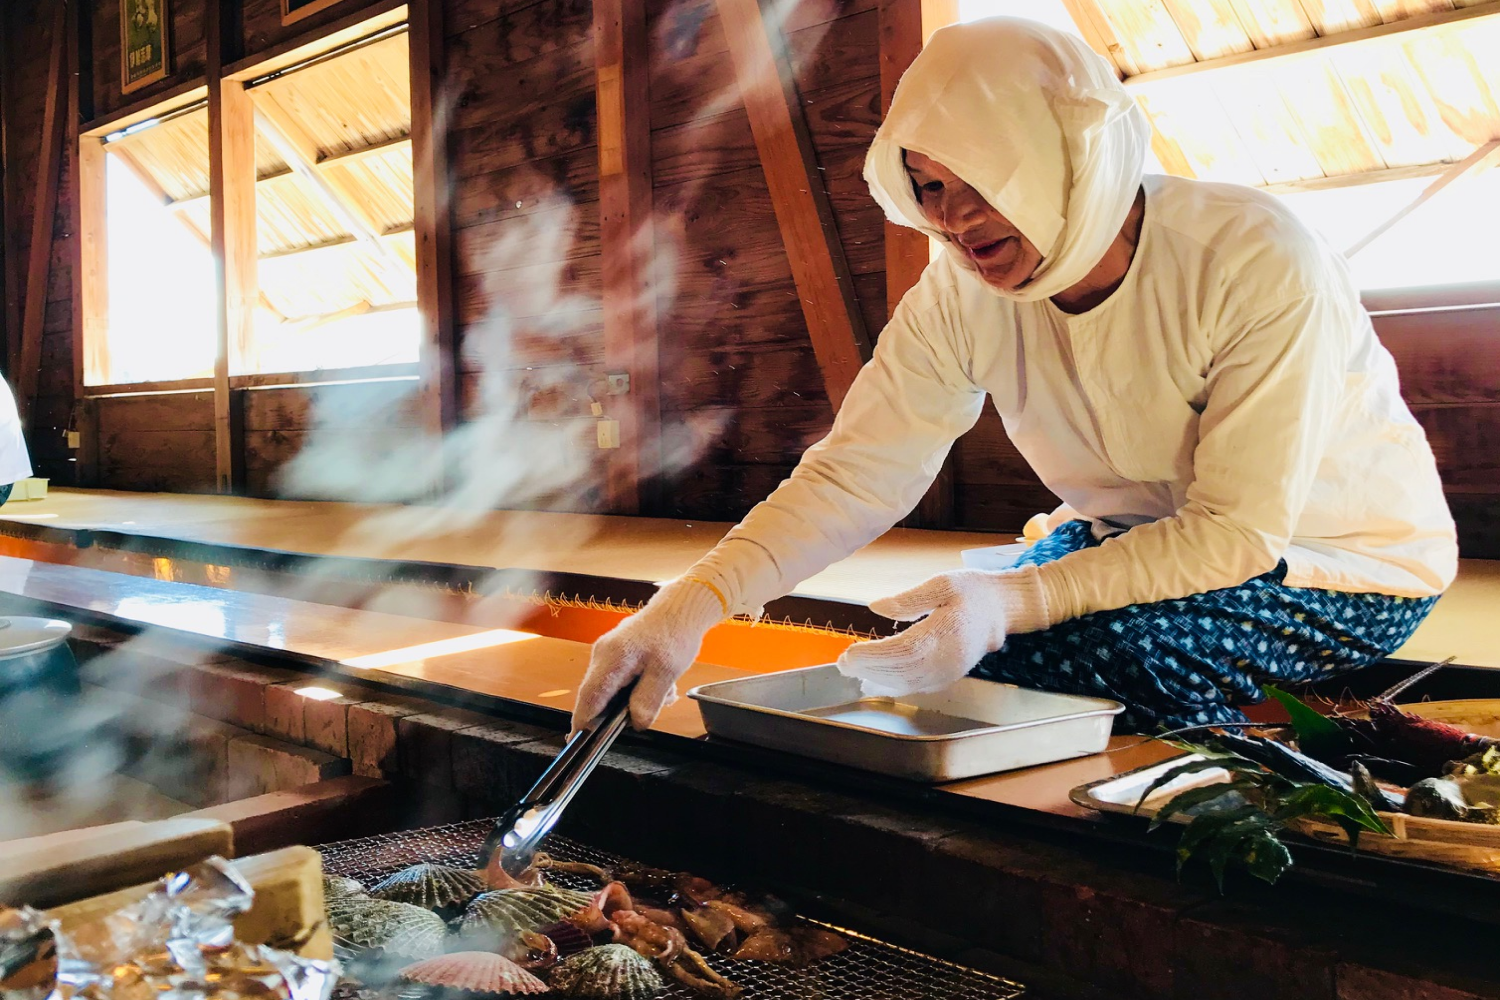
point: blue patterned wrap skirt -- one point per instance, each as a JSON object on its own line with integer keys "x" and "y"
{"x": 1190, "y": 661}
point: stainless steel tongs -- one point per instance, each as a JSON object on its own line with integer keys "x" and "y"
{"x": 521, "y": 828}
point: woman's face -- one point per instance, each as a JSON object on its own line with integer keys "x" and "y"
{"x": 1000, "y": 254}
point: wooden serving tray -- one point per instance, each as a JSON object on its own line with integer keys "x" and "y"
{"x": 1474, "y": 846}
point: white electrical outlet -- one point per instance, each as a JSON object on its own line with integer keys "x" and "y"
{"x": 608, "y": 433}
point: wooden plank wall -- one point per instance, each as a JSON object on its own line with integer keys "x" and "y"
{"x": 524, "y": 159}
{"x": 741, "y": 395}
{"x": 29, "y": 31}
{"x": 734, "y": 345}
{"x": 157, "y": 442}
{"x": 189, "y": 54}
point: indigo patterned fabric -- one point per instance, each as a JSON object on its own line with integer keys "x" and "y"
{"x": 1190, "y": 661}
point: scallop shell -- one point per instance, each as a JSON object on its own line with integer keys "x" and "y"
{"x": 430, "y": 886}
{"x": 338, "y": 887}
{"x": 611, "y": 971}
{"x": 569, "y": 939}
{"x": 396, "y": 928}
{"x": 474, "y": 972}
{"x": 496, "y": 920}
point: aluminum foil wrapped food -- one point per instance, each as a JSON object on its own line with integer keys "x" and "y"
{"x": 176, "y": 944}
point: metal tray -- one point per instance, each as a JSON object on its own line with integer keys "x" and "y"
{"x": 974, "y": 727}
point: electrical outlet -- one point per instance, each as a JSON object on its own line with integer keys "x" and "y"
{"x": 617, "y": 383}
{"x": 608, "y": 433}
{"x": 75, "y": 439}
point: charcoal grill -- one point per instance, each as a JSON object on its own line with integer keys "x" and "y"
{"x": 868, "y": 970}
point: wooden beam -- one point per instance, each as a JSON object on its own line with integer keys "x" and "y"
{"x": 89, "y": 251}
{"x": 1477, "y": 162}
{"x": 232, "y": 236}
{"x": 44, "y": 208}
{"x": 905, "y": 26}
{"x": 349, "y": 156}
{"x": 9, "y": 252}
{"x": 300, "y": 151}
{"x": 627, "y": 245}
{"x": 432, "y": 220}
{"x": 92, "y": 320}
{"x": 1338, "y": 181}
{"x": 179, "y": 204}
{"x": 1304, "y": 47}
{"x": 803, "y": 214}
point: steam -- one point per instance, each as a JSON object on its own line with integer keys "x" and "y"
{"x": 504, "y": 455}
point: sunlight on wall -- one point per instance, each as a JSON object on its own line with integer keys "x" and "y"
{"x": 162, "y": 303}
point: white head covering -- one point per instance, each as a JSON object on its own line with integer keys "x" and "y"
{"x": 1036, "y": 123}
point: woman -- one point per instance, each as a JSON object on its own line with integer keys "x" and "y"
{"x": 1247, "y": 498}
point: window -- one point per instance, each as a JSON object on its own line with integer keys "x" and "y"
{"x": 336, "y": 275}
{"x": 162, "y": 311}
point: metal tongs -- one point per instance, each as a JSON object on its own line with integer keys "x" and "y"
{"x": 521, "y": 828}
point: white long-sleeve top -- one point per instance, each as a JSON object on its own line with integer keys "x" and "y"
{"x": 1229, "y": 404}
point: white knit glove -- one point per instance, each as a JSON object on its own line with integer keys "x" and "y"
{"x": 656, "y": 644}
{"x": 968, "y": 613}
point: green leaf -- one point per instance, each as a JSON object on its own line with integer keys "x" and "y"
{"x": 1352, "y": 813}
{"x": 1318, "y": 736}
{"x": 1232, "y": 764}
{"x": 1204, "y": 831}
{"x": 1219, "y": 843}
{"x": 1264, "y": 856}
{"x": 1192, "y": 798}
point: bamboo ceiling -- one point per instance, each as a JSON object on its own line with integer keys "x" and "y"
{"x": 334, "y": 229}
{"x": 1358, "y": 102}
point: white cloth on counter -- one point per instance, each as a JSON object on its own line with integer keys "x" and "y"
{"x": 15, "y": 461}
{"x": 1229, "y": 402}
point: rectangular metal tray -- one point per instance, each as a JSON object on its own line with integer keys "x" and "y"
{"x": 974, "y": 727}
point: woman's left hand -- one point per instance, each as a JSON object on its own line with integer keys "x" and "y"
{"x": 965, "y": 614}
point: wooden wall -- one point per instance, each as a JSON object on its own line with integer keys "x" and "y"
{"x": 518, "y": 105}
{"x": 29, "y": 36}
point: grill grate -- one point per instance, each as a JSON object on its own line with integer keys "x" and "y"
{"x": 867, "y": 970}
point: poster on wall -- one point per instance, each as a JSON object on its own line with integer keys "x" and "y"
{"x": 296, "y": 10}
{"x": 143, "y": 43}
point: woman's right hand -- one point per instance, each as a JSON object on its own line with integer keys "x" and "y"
{"x": 656, "y": 644}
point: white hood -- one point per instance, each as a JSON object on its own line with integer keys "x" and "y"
{"x": 1034, "y": 121}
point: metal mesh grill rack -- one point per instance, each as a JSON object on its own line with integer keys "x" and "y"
{"x": 868, "y": 970}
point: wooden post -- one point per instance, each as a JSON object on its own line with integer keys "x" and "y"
{"x": 49, "y": 168}
{"x": 90, "y": 250}
{"x": 91, "y": 324}
{"x": 627, "y": 245}
{"x": 803, "y": 214}
{"x": 8, "y": 243}
{"x": 905, "y": 26}
{"x": 432, "y": 221}
{"x": 232, "y": 232}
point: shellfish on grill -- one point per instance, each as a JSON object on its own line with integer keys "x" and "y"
{"x": 496, "y": 920}
{"x": 433, "y": 887}
{"x": 399, "y": 929}
{"x": 611, "y": 971}
{"x": 339, "y": 886}
{"x": 474, "y": 972}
